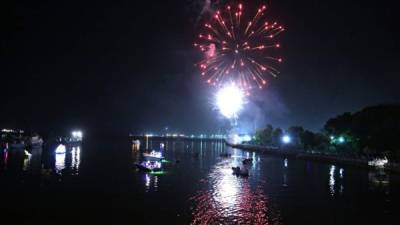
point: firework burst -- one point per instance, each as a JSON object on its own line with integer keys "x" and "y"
{"x": 238, "y": 48}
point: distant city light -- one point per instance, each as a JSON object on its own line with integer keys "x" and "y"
{"x": 246, "y": 138}
{"x": 77, "y": 135}
{"x": 12, "y": 131}
{"x": 286, "y": 139}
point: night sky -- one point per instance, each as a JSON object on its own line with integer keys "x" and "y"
{"x": 122, "y": 66}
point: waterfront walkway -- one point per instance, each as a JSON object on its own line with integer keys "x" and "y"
{"x": 316, "y": 156}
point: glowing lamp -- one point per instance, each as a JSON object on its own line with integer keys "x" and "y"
{"x": 77, "y": 134}
{"x": 286, "y": 139}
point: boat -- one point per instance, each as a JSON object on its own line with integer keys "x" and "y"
{"x": 61, "y": 149}
{"x": 35, "y": 141}
{"x": 153, "y": 156}
{"x": 149, "y": 166}
{"x": 379, "y": 163}
{"x": 247, "y": 161}
{"x": 75, "y": 139}
{"x": 240, "y": 171}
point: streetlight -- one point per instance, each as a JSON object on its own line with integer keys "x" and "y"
{"x": 286, "y": 139}
{"x": 77, "y": 135}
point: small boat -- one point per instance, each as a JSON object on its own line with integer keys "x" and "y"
{"x": 149, "y": 166}
{"x": 153, "y": 156}
{"x": 380, "y": 163}
{"x": 35, "y": 141}
{"x": 240, "y": 171}
{"x": 247, "y": 161}
{"x": 61, "y": 149}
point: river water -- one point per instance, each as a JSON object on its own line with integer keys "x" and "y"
{"x": 96, "y": 183}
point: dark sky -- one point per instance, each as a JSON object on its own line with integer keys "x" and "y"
{"x": 128, "y": 65}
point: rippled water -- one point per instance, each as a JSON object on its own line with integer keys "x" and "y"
{"x": 229, "y": 199}
{"x": 96, "y": 183}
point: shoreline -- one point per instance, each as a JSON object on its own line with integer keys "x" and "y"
{"x": 320, "y": 157}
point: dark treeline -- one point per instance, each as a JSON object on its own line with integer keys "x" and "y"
{"x": 371, "y": 132}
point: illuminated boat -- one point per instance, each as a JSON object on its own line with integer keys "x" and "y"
{"x": 380, "y": 163}
{"x": 153, "y": 156}
{"x": 149, "y": 166}
{"x": 61, "y": 149}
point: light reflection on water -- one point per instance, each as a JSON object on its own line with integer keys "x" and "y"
{"x": 27, "y": 162}
{"x": 222, "y": 198}
{"x": 147, "y": 183}
{"x": 76, "y": 160}
{"x": 150, "y": 182}
{"x": 70, "y": 159}
{"x": 332, "y": 180}
{"x": 60, "y": 162}
{"x": 335, "y": 183}
{"x": 49, "y": 162}
{"x": 230, "y": 199}
{"x": 285, "y": 170}
{"x": 226, "y": 199}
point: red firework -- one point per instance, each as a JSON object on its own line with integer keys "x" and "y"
{"x": 238, "y": 49}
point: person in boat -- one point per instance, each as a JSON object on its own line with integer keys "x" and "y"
{"x": 247, "y": 161}
{"x": 241, "y": 171}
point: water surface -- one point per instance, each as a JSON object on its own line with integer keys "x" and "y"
{"x": 96, "y": 183}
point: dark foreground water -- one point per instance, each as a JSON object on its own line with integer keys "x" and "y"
{"x": 97, "y": 184}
